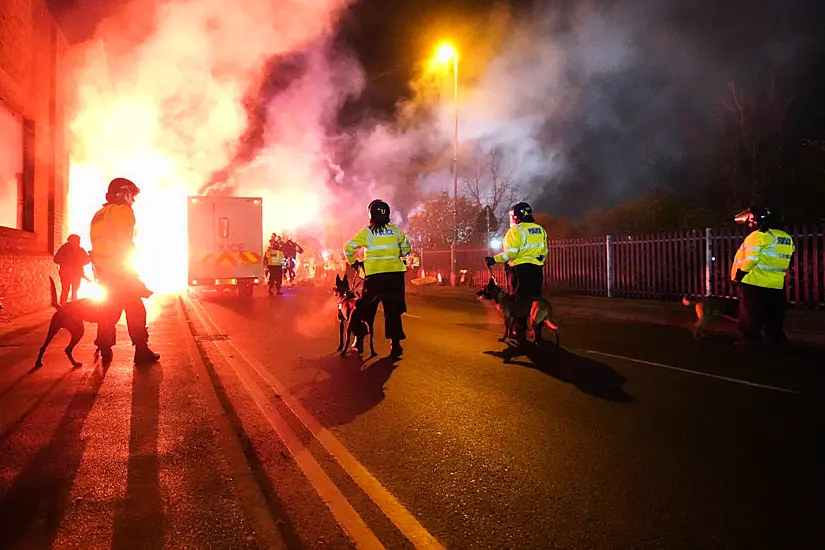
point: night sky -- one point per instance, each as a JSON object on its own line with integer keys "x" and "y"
{"x": 740, "y": 38}
{"x": 391, "y": 38}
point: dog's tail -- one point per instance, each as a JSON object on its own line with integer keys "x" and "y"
{"x": 53, "y": 289}
{"x": 686, "y": 302}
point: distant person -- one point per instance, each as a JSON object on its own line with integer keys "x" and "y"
{"x": 71, "y": 258}
{"x": 291, "y": 250}
{"x": 274, "y": 264}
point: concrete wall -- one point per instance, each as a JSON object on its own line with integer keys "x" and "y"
{"x": 32, "y": 84}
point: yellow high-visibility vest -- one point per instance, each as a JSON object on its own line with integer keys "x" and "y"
{"x": 111, "y": 232}
{"x": 523, "y": 244}
{"x": 765, "y": 256}
{"x": 274, "y": 256}
{"x": 383, "y": 249}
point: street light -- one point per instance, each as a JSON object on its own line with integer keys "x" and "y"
{"x": 444, "y": 55}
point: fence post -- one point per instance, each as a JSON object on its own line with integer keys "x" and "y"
{"x": 708, "y": 261}
{"x": 608, "y": 242}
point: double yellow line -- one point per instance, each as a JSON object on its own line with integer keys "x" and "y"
{"x": 247, "y": 369}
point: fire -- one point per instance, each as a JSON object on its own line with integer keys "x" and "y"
{"x": 168, "y": 112}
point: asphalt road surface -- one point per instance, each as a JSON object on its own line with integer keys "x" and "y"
{"x": 256, "y": 433}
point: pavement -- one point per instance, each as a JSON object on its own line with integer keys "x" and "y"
{"x": 801, "y": 325}
{"x": 253, "y": 433}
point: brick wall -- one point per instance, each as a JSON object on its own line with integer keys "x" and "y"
{"x": 28, "y": 276}
{"x": 32, "y": 84}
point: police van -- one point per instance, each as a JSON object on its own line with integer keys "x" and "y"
{"x": 224, "y": 244}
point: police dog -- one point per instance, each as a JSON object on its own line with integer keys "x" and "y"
{"x": 349, "y": 321}
{"x": 711, "y": 307}
{"x": 71, "y": 317}
{"x": 540, "y": 311}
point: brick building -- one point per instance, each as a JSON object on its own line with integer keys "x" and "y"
{"x": 33, "y": 158}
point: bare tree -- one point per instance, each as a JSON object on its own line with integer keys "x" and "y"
{"x": 756, "y": 130}
{"x": 494, "y": 183}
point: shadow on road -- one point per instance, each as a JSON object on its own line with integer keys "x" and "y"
{"x": 38, "y": 498}
{"x": 140, "y": 514}
{"x": 343, "y": 388}
{"x": 589, "y": 376}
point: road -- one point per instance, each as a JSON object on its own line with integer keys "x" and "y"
{"x": 255, "y": 433}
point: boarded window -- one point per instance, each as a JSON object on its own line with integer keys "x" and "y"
{"x": 12, "y": 182}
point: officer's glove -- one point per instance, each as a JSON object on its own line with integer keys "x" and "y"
{"x": 490, "y": 261}
{"x": 740, "y": 275}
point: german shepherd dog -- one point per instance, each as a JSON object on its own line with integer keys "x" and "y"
{"x": 711, "y": 307}
{"x": 540, "y": 313}
{"x": 71, "y": 317}
{"x": 349, "y": 322}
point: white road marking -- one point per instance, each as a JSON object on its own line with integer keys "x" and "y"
{"x": 700, "y": 373}
{"x": 411, "y": 315}
{"x": 343, "y": 511}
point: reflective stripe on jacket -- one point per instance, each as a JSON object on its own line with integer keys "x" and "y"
{"x": 274, "y": 257}
{"x": 765, "y": 257}
{"x": 523, "y": 244}
{"x": 383, "y": 249}
{"x": 111, "y": 232}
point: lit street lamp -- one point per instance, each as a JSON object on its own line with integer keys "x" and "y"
{"x": 444, "y": 55}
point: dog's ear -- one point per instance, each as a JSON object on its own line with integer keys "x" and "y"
{"x": 337, "y": 278}
{"x": 345, "y": 279}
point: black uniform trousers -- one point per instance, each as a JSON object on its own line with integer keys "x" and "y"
{"x": 761, "y": 310}
{"x": 275, "y": 277}
{"x": 123, "y": 293}
{"x": 388, "y": 290}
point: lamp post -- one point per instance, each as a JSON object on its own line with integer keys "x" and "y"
{"x": 445, "y": 54}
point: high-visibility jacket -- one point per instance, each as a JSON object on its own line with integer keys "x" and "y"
{"x": 112, "y": 231}
{"x": 383, "y": 249}
{"x": 524, "y": 243}
{"x": 765, "y": 257}
{"x": 274, "y": 256}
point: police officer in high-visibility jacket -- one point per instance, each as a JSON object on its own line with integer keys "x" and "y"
{"x": 111, "y": 232}
{"x": 759, "y": 268}
{"x": 384, "y": 245}
{"x": 274, "y": 260}
{"x": 524, "y": 251}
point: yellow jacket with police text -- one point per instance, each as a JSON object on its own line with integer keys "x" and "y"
{"x": 765, "y": 257}
{"x": 524, "y": 243}
{"x": 383, "y": 249}
{"x": 274, "y": 257}
{"x": 112, "y": 231}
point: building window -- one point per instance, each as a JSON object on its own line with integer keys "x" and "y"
{"x": 16, "y": 170}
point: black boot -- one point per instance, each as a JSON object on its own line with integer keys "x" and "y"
{"x": 396, "y": 350}
{"x": 145, "y": 356}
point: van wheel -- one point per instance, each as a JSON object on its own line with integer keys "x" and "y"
{"x": 245, "y": 290}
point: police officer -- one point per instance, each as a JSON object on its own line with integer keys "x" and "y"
{"x": 759, "y": 268}
{"x": 274, "y": 263}
{"x": 111, "y": 231}
{"x": 524, "y": 251}
{"x": 383, "y": 245}
{"x": 291, "y": 250}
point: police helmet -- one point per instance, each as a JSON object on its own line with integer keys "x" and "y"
{"x": 122, "y": 189}
{"x": 756, "y": 217}
{"x": 521, "y": 212}
{"x": 379, "y": 212}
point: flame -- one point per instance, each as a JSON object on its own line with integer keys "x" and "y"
{"x": 168, "y": 112}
